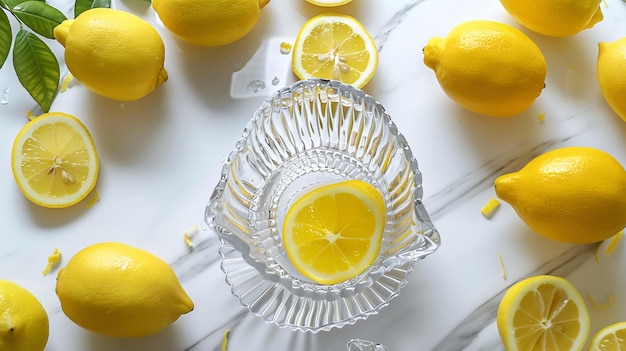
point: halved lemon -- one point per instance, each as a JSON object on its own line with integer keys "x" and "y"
{"x": 544, "y": 312}
{"x": 333, "y": 233}
{"x": 335, "y": 46}
{"x": 610, "y": 338}
{"x": 328, "y": 3}
{"x": 54, "y": 160}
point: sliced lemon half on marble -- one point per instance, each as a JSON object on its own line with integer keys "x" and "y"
{"x": 335, "y": 46}
{"x": 333, "y": 233}
{"x": 54, "y": 160}
{"x": 543, "y": 312}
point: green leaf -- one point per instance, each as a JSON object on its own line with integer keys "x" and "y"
{"x": 5, "y": 37}
{"x": 12, "y": 3}
{"x": 36, "y": 67}
{"x": 81, "y": 6}
{"x": 39, "y": 16}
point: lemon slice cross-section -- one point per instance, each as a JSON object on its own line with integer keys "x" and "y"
{"x": 54, "y": 160}
{"x": 333, "y": 233}
{"x": 610, "y": 338}
{"x": 335, "y": 46}
{"x": 543, "y": 313}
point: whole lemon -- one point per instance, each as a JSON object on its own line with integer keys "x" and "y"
{"x": 557, "y": 18}
{"x": 113, "y": 53}
{"x": 571, "y": 194}
{"x": 611, "y": 70}
{"x": 23, "y": 320}
{"x": 487, "y": 67}
{"x": 118, "y": 290}
{"x": 209, "y": 22}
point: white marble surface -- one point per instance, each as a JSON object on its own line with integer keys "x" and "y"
{"x": 161, "y": 157}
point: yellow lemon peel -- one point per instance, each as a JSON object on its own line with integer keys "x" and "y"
{"x": 225, "y": 340}
{"x": 610, "y": 70}
{"x": 53, "y": 259}
{"x": 113, "y": 53}
{"x": 502, "y": 266}
{"x": 66, "y": 82}
{"x": 546, "y": 194}
{"x": 118, "y": 290}
{"x": 489, "y": 209}
{"x": 474, "y": 50}
{"x": 607, "y": 304}
{"x": 557, "y": 18}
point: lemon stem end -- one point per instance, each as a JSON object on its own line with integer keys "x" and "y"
{"x": 61, "y": 31}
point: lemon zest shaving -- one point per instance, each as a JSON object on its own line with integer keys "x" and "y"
{"x": 490, "y": 207}
{"x": 66, "y": 82}
{"x": 95, "y": 198}
{"x": 30, "y": 115}
{"x": 54, "y": 258}
{"x": 225, "y": 340}
{"x": 595, "y": 255}
{"x": 285, "y": 48}
{"x": 189, "y": 234}
{"x": 614, "y": 241}
{"x": 603, "y": 306}
{"x": 541, "y": 116}
{"x": 503, "y": 266}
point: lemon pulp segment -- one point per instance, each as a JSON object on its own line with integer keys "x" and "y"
{"x": 332, "y": 46}
{"x": 333, "y": 233}
{"x": 54, "y": 160}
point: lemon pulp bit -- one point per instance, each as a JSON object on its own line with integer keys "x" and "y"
{"x": 285, "y": 48}
{"x": 503, "y": 266}
{"x": 490, "y": 207}
{"x": 66, "y": 82}
{"x": 30, "y": 115}
{"x": 607, "y": 304}
{"x": 541, "y": 117}
{"x": 53, "y": 259}
{"x": 613, "y": 243}
{"x": 190, "y": 233}
{"x": 225, "y": 340}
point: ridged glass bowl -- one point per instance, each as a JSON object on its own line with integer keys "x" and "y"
{"x": 311, "y": 133}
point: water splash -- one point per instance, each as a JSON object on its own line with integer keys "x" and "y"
{"x": 255, "y": 85}
{"x": 4, "y": 97}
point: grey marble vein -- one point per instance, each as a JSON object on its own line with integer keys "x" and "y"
{"x": 203, "y": 254}
{"x": 464, "y": 334}
{"x": 206, "y": 341}
{"x": 482, "y": 177}
{"x": 395, "y": 21}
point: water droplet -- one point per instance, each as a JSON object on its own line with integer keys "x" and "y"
{"x": 255, "y": 85}
{"x": 4, "y": 98}
{"x": 122, "y": 106}
{"x": 275, "y": 81}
